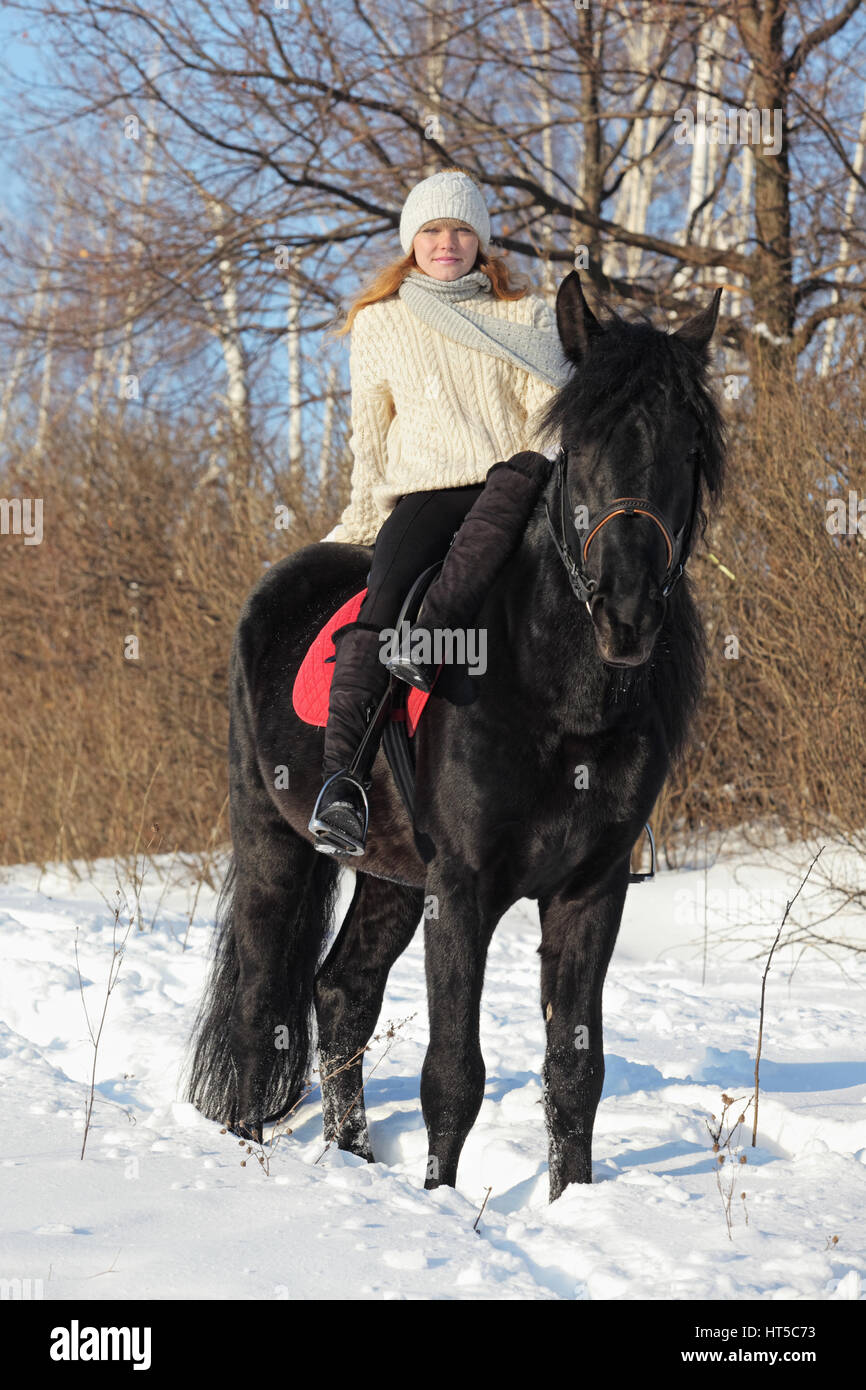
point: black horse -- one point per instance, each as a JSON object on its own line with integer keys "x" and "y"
{"x": 539, "y": 788}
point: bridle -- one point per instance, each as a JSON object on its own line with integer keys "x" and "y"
{"x": 678, "y": 543}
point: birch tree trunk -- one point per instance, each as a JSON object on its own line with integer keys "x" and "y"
{"x": 29, "y": 335}
{"x": 45, "y": 389}
{"x": 635, "y": 192}
{"x": 844, "y": 244}
{"x": 705, "y": 155}
{"x": 124, "y": 367}
{"x": 327, "y": 436}
{"x": 293, "y": 344}
{"x": 97, "y": 371}
{"x": 237, "y": 396}
{"x": 742, "y": 224}
{"x": 544, "y": 111}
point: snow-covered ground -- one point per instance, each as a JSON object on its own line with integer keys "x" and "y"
{"x": 164, "y": 1206}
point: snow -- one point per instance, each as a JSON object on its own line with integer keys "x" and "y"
{"x": 164, "y": 1206}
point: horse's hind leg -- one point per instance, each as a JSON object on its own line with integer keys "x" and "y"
{"x": 350, "y": 986}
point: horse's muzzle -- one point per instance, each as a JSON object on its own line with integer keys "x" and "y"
{"x": 625, "y": 634}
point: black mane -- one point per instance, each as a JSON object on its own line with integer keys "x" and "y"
{"x": 634, "y": 363}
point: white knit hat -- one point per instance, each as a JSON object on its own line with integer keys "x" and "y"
{"x": 446, "y": 194}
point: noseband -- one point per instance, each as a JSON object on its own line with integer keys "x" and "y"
{"x": 676, "y": 542}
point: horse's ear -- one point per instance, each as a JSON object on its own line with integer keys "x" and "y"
{"x": 575, "y": 320}
{"x": 697, "y": 331}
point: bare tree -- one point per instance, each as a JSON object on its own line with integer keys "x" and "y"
{"x": 306, "y": 127}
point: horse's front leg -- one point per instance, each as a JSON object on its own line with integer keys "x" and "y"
{"x": 457, "y": 934}
{"x": 578, "y": 934}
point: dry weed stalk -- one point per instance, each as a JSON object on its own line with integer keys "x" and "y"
{"x": 134, "y": 913}
{"x": 724, "y": 1137}
{"x": 113, "y": 972}
{"x": 788, "y": 907}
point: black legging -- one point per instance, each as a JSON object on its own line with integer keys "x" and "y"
{"x": 416, "y": 534}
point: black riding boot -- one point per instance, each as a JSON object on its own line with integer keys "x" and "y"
{"x": 489, "y": 534}
{"x": 339, "y": 819}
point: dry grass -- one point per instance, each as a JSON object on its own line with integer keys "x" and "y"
{"x": 132, "y": 548}
{"x": 781, "y": 736}
{"x": 135, "y": 545}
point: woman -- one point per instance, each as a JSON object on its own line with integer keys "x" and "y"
{"x": 448, "y": 363}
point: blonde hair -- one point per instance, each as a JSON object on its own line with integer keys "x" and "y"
{"x": 389, "y": 279}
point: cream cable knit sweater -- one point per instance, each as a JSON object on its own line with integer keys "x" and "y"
{"x": 428, "y": 413}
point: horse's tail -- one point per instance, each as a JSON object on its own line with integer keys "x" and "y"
{"x": 211, "y": 1082}
{"x": 252, "y": 1041}
{"x": 251, "y": 1048}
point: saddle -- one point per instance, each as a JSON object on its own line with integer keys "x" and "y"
{"x": 312, "y": 688}
{"x": 401, "y": 707}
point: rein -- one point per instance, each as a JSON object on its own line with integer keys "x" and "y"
{"x": 678, "y": 543}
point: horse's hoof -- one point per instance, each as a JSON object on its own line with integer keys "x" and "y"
{"x": 361, "y": 1149}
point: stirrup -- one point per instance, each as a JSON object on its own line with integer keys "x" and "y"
{"x": 329, "y": 839}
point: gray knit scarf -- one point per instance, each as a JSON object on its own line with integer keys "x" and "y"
{"x": 443, "y": 305}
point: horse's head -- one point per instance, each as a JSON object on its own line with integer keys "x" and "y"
{"x": 643, "y": 437}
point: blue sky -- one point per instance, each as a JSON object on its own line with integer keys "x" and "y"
{"x": 20, "y": 60}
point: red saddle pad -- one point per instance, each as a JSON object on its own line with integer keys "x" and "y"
{"x": 312, "y": 688}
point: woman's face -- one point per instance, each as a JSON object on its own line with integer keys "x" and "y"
{"x": 446, "y": 249}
